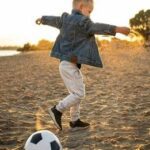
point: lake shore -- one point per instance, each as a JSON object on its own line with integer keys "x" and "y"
{"x": 117, "y": 102}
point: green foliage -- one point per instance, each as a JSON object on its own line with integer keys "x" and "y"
{"x": 141, "y": 23}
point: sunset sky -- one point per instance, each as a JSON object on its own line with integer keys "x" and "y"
{"x": 17, "y": 17}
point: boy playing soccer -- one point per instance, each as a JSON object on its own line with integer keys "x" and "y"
{"x": 75, "y": 45}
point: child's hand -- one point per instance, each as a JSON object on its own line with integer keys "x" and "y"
{"x": 123, "y": 30}
{"x": 38, "y": 21}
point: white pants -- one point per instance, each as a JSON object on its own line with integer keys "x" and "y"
{"x": 73, "y": 80}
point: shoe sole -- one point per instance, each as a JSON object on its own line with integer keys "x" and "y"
{"x": 79, "y": 128}
{"x": 53, "y": 118}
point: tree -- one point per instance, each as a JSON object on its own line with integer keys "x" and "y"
{"x": 44, "y": 45}
{"x": 141, "y": 23}
{"x": 27, "y": 46}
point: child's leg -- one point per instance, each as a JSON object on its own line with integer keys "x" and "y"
{"x": 75, "y": 112}
{"x": 73, "y": 80}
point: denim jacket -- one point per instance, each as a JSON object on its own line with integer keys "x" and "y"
{"x": 76, "y": 40}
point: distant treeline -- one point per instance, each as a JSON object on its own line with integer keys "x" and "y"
{"x": 101, "y": 43}
{"x": 8, "y": 47}
{"x": 42, "y": 45}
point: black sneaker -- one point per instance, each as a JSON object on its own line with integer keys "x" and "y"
{"x": 56, "y": 116}
{"x": 79, "y": 125}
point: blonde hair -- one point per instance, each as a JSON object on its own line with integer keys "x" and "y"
{"x": 86, "y": 2}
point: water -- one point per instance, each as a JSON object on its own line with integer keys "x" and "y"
{"x": 4, "y": 53}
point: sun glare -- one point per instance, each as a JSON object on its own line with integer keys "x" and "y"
{"x": 18, "y": 24}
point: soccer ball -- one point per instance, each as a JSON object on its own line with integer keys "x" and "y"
{"x": 43, "y": 140}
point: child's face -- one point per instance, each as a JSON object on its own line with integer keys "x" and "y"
{"x": 87, "y": 9}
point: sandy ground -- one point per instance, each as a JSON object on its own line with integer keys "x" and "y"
{"x": 117, "y": 102}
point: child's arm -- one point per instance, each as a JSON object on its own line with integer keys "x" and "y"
{"x": 54, "y": 21}
{"x": 49, "y": 20}
{"x": 123, "y": 30}
{"x": 100, "y": 28}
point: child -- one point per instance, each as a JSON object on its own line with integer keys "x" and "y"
{"x": 75, "y": 45}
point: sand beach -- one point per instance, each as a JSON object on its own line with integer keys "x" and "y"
{"x": 117, "y": 102}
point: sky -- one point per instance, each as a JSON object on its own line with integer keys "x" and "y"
{"x": 17, "y": 17}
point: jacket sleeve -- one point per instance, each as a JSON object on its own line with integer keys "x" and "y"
{"x": 54, "y": 21}
{"x": 97, "y": 28}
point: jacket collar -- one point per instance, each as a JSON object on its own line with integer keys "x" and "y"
{"x": 76, "y": 12}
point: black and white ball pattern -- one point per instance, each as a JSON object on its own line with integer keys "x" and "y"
{"x": 43, "y": 140}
